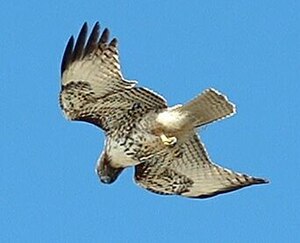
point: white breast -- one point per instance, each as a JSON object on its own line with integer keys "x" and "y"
{"x": 118, "y": 156}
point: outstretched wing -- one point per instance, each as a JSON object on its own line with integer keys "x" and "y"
{"x": 92, "y": 86}
{"x": 189, "y": 173}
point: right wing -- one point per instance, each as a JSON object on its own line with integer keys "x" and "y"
{"x": 93, "y": 88}
{"x": 189, "y": 172}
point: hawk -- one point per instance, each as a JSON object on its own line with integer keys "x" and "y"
{"x": 161, "y": 142}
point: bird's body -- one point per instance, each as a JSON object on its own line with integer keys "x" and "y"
{"x": 130, "y": 145}
{"x": 141, "y": 130}
{"x": 128, "y": 150}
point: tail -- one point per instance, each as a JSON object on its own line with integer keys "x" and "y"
{"x": 208, "y": 107}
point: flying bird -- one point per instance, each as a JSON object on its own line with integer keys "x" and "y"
{"x": 141, "y": 130}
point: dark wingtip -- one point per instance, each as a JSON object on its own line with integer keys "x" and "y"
{"x": 79, "y": 46}
{"x": 83, "y": 48}
{"x": 97, "y": 25}
{"x": 104, "y": 37}
{"x": 261, "y": 181}
{"x": 93, "y": 39}
{"x": 67, "y": 57}
{"x": 114, "y": 42}
{"x": 72, "y": 53}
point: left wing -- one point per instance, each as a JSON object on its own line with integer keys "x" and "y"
{"x": 189, "y": 173}
{"x": 92, "y": 86}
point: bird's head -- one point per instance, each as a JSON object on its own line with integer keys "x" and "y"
{"x": 107, "y": 174}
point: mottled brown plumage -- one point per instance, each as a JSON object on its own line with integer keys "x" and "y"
{"x": 141, "y": 130}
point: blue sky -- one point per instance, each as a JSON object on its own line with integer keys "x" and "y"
{"x": 247, "y": 49}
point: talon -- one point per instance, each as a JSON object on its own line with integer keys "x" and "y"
{"x": 168, "y": 141}
{"x": 172, "y": 140}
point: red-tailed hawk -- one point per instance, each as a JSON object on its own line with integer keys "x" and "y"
{"x": 161, "y": 142}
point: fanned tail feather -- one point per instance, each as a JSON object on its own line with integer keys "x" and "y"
{"x": 208, "y": 107}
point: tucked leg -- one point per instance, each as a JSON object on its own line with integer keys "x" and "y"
{"x": 168, "y": 141}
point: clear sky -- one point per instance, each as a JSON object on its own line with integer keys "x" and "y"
{"x": 250, "y": 50}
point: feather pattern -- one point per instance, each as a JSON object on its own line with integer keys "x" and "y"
{"x": 187, "y": 170}
{"x": 93, "y": 88}
{"x": 141, "y": 130}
